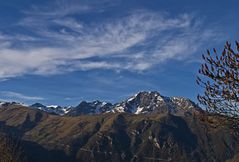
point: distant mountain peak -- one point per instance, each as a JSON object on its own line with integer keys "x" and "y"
{"x": 142, "y": 102}
{"x": 52, "y": 109}
{"x": 153, "y": 102}
{"x": 5, "y": 104}
{"x": 94, "y": 107}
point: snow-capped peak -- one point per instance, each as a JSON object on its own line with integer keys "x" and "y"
{"x": 53, "y": 109}
{"x": 2, "y": 103}
{"x": 142, "y": 102}
{"x": 153, "y": 102}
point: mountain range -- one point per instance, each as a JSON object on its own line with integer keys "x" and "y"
{"x": 140, "y": 103}
{"x": 145, "y": 127}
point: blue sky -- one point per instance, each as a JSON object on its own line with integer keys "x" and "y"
{"x": 66, "y": 51}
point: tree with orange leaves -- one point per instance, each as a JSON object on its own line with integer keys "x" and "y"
{"x": 219, "y": 76}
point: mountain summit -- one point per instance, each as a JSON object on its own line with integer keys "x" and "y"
{"x": 153, "y": 102}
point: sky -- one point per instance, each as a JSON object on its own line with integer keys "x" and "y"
{"x": 65, "y": 51}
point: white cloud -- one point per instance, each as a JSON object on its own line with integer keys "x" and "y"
{"x": 60, "y": 8}
{"x": 19, "y": 96}
{"x": 135, "y": 42}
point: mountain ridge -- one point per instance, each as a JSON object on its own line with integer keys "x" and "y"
{"x": 144, "y": 102}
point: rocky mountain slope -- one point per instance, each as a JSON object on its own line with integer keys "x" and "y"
{"x": 146, "y": 127}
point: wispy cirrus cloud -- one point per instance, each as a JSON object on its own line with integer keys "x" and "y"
{"x": 19, "y": 96}
{"x": 60, "y": 42}
{"x": 60, "y": 8}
